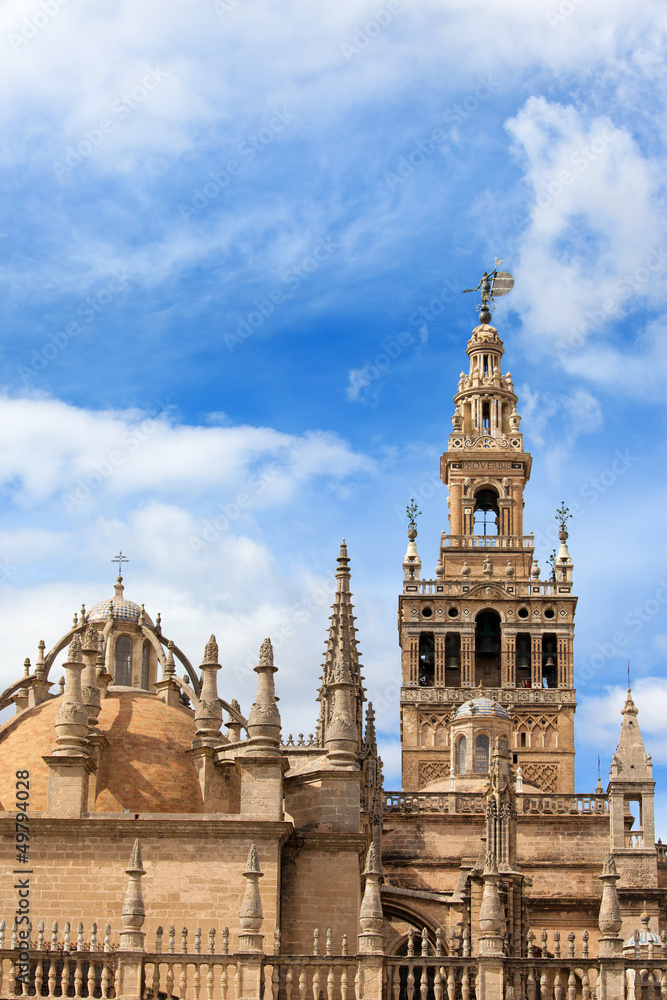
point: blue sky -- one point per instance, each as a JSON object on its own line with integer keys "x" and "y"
{"x": 233, "y": 241}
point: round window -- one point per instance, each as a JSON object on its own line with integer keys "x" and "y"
{"x": 549, "y": 613}
{"x": 427, "y": 612}
{"x": 523, "y": 612}
{"x": 453, "y": 612}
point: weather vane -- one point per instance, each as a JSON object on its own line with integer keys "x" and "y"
{"x": 492, "y": 286}
{"x": 120, "y": 559}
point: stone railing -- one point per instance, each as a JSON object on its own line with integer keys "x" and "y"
{"x": 464, "y": 803}
{"x": 488, "y": 541}
{"x": 662, "y": 853}
{"x": 441, "y": 977}
{"x": 408, "y": 803}
{"x": 553, "y": 805}
{"x": 519, "y": 588}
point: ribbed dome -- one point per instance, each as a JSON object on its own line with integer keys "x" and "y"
{"x": 481, "y": 706}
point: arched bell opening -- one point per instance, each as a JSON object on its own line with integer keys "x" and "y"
{"x": 549, "y": 661}
{"x": 522, "y": 665}
{"x": 486, "y": 512}
{"x": 426, "y": 659}
{"x": 487, "y": 649}
{"x": 453, "y": 659}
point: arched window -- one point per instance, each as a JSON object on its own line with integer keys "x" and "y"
{"x": 145, "y": 664}
{"x": 482, "y": 754}
{"x": 487, "y": 649}
{"x": 461, "y": 749}
{"x": 122, "y": 673}
{"x": 486, "y": 516}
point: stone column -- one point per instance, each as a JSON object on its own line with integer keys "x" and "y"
{"x": 168, "y": 688}
{"x": 536, "y": 661}
{"x": 131, "y": 945}
{"x": 491, "y": 971}
{"x": 70, "y": 763}
{"x": 208, "y": 720}
{"x": 467, "y": 659}
{"x": 610, "y": 945}
{"x": 262, "y": 762}
{"x": 508, "y": 659}
{"x": 440, "y": 644}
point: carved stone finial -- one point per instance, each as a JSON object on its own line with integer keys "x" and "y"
{"x": 264, "y": 718}
{"x": 251, "y": 915}
{"x": 371, "y": 917}
{"x": 211, "y": 652}
{"x": 610, "y": 920}
{"x": 134, "y": 912}
{"x": 266, "y": 654}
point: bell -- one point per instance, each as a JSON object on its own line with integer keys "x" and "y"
{"x": 453, "y": 663}
{"x": 550, "y": 662}
{"x": 486, "y": 646}
{"x": 522, "y": 661}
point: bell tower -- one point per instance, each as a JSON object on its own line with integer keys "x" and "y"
{"x": 487, "y": 626}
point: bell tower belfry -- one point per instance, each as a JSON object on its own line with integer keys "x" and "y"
{"x": 487, "y": 626}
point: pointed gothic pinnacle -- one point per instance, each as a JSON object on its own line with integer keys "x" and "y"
{"x": 170, "y": 666}
{"x": 610, "y": 920}
{"x": 40, "y": 663}
{"x": 264, "y": 719}
{"x": 211, "y": 651}
{"x": 72, "y": 719}
{"x": 370, "y": 739}
{"x": 134, "y": 912}
{"x": 208, "y": 713}
{"x": 371, "y": 917}
{"x": 250, "y": 914}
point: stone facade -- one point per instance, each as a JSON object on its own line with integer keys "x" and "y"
{"x": 257, "y": 863}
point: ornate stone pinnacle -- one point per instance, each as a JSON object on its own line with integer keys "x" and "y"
{"x": 264, "y": 719}
{"x": 74, "y": 651}
{"x": 371, "y": 916}
{"x": 251, "y": 915}
{"x": 211, "y": 652}
{"x": 134, "y": 912}
{"x": 170, "y": 666}
{"x": 266, "y": 654}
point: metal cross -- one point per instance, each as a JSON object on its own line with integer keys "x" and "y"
{"x": 120, "y": 559}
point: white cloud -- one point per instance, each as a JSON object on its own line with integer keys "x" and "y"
{"x": 87, "y": 456}
{"x": 593, "y": 248}
{"x": 599, "y": 717}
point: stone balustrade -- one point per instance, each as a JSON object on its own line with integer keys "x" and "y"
{"x": 466, "y": 803}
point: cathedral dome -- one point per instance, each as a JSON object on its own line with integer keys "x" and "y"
{"x": 145, "y": 767}
{"x": 481, "y": 706}
{"x": 121, "y": 609}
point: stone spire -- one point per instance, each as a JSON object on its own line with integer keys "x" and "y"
{"x": 631, "y": 762}
{"x": 491, "y": 916}
{"x": 134, "y": 913}
{"x": 251, "y": 915}
{"x": 371, "y": 763}
{"x": 39, "y": 686}
{"x": 208, "y": 714}
{"x": 371, "y": 917}
{"x": 72, "y": 718}
{"x": 341, "y": 694}
{"x": 264, "y": 718}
